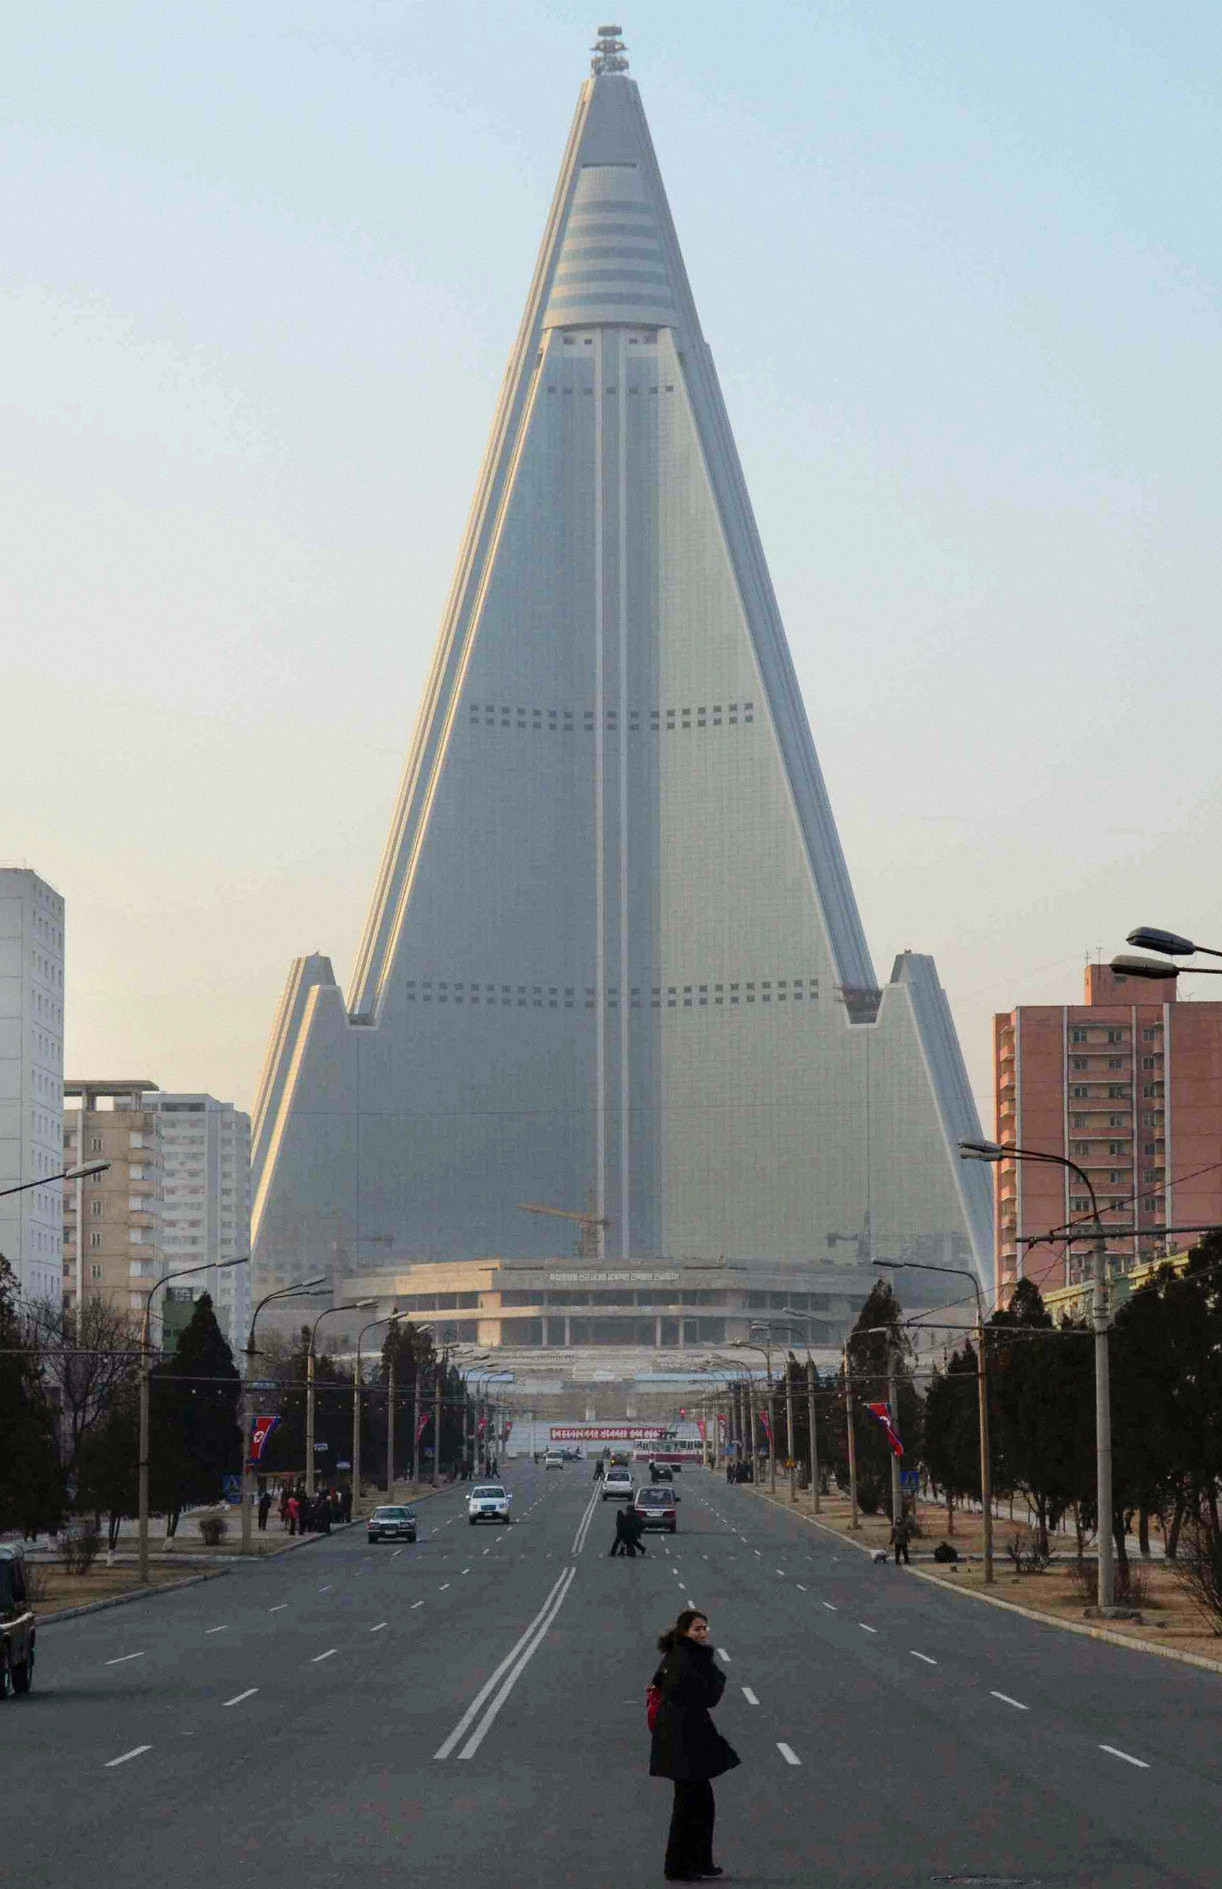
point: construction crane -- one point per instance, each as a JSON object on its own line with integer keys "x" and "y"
{"x": 589, "y": 1243}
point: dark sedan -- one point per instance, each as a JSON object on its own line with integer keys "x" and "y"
{"x": 393, "y": 1523}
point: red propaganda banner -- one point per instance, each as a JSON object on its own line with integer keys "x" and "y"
{"x": 422, "y": 1423}
{"x": 703, "y": 1428}
{"x": 883, "y": 1414}
{"x": 766, "y": 1422}
{"x": 260, "y": 1430}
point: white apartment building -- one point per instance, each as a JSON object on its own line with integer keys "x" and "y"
{"x": 31, "y": 1078}
{"x": 205, "y": 1202}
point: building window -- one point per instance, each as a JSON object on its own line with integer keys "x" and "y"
{"x": 1077, "y": 1036}
{"x": 1149, "y": 1036}
{"x": 95, "y": 1144}
{"x": 1079, "y": 1090}
{"x": 95, "y": 1240}
{"x": 95, "y": 1271}
{"x": 1115, "y": 1091}
{"x": 1115, "y": 1036}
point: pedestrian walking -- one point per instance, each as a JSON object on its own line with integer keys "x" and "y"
{"x": 900, "y": 1536}
{"x": 345, "y": 1502}
{"x": 636, "y": 1529}
{"x": 623, "y": 1543}
{"x": 292, "y": 1510}
{"x": 265, "y": 1509}
{"x": 687, "y": 1747}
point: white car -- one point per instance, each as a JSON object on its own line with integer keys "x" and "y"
{"x": 618, "y": 1485}
{"x": 488, "y": 1503}
{"x": 554, "y": 1460}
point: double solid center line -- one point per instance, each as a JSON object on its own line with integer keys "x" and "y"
{"x": 506, "y": 1675}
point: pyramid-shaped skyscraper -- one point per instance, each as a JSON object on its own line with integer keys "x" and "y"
{"x": 613, "y": 955}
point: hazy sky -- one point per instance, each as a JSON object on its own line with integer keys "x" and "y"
{"x": 262, "y": 266}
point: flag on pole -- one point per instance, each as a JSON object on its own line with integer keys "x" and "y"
{"x": 883, "y": 1413}
{"x": 422, "y": 1422}
{"x": 703, "y": 1428}
{"x": 766, "y": 1424}
{"x": 260, "y": 1429}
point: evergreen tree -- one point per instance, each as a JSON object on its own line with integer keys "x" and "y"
{"x": 1041, "y": 1409}
{"x": 952, "y": 1428}
{"x": 31, "y": 1479}
{"x": 196, "y": 1438}
{"x": 877, "y": 1335}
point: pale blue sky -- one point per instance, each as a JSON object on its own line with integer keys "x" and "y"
{"x": 261, "y": 269}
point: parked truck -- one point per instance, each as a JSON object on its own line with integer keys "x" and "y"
{"x": 17, "y": 1623}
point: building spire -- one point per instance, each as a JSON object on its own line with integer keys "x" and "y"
{"x": 608, "y": 50}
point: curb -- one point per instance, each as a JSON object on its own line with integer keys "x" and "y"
{"x": 1010, "y": 1606}
{"x": 1073, "y": 1626}
{"x": 124, "y": 1600}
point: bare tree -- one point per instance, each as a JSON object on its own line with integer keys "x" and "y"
{"x": 90, "y": 1359}
{"x": 1198, "y": 1568}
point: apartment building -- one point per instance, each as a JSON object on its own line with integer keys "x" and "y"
{"x": 1127, "y": 1084}
{"x": 110, "y": 1242}
{"x": 31, "y": 1075}
{"x": 204, "y": 1150}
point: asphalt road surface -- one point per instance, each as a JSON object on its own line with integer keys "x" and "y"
{"x": 470, "y": 1712}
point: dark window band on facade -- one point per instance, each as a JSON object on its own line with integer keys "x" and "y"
{"x": 508, "y": 715}
{"x": 553, "y": 996}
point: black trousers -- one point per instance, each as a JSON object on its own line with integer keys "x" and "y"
{"x": 689, "y": 1847}
{"x": 901, "y": 1548}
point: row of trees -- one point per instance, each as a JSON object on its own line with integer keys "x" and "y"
{"x": 1166, "y": 1396}
{"x": 70, "y": 1412}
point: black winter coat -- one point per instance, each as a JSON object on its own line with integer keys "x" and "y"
{"x": 686, "y": 1743}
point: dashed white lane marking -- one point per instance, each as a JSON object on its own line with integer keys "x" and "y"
{"x": 414, "y": 1605}
{"x": 1007, "y": 1700}
{"x": 924, "y": 1656}
{"x": 278, "y": 1609}
{"x": 865, "y": 1628}
{"x": 395, "y": 1553}
{"x": 326, "y": 1589}
{"x": 466, "y": 1570}
{"x": 384, "y": 1623}
{"x": 327, "y": 1655}
{"x": 122, "y": 1659}
{"x": 1128, "y": 1758}
{"x": 830, "y": 1608}
{"x": 781, "y": 1572}
{"x": 239, "y": 1696}
{"x": 722, "y": 1654}
{"x": 799, "y": 1587}
{"x": 442, "y": 1588}
{"x": 124, "y": 1756}
{"x": 749, "y": 1696}
{"x": 224, "y": 1629}
{"x": 788, "y": 1753}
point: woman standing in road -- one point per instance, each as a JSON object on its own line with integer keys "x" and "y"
{"x": 687, "y": 1746}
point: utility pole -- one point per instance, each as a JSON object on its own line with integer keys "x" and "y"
{"x": 356, "y": 1433}
{"x": 814, "y": 1447}
{"x": 310, "y": 1420}
{"x": 986, "y": 1471}
{"x": 793, "y": 1472}
{"x": 897, "y": 1498}
{"x": 390, "y": 1426}
{"x": 854, "y": 1521}
{"x": 438, "y": 1379}
{"x": 416, "y": 1418}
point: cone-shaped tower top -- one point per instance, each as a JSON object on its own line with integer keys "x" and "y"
{"x": 613, "y": 950}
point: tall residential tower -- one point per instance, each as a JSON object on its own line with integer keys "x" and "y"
{"x": 613, "y": 964}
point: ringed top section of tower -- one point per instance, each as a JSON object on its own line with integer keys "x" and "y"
{"x": 618, "y": 259}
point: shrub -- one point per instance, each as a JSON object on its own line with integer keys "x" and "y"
{"x": 79, "y": 1548}
{"x": 1028, "y": 1558}
{"x": 1132, "y": 1584}
{"x": 1198, "y": 1569}
{"x": 213, "y": 1530}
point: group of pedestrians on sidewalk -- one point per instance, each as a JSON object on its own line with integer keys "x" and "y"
{"x": 301, "y": 1513}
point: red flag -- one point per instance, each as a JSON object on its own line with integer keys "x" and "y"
{"x": 421, "y": 1423}
{"x": 703, "y": 1428}
{"x": 883, "y": 1413}
{"x": 260, "y": 1430}
{"x": 766, "y": 1424}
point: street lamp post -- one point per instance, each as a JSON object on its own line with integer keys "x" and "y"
{"x": 765, "y": 1351}
{"x": 416, "y": 1332}
{"x": 354, "y": 1305}
{"x": 389, "y": 1318}
{"x": 145, "y": 1368}
{"x": 248, "y": 1396}
{"x": 854, "y": 1519}
{"x": 995, "y": 1151}
{"x": 982, "y": 1395}
{"x": 814, "y": 1446}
